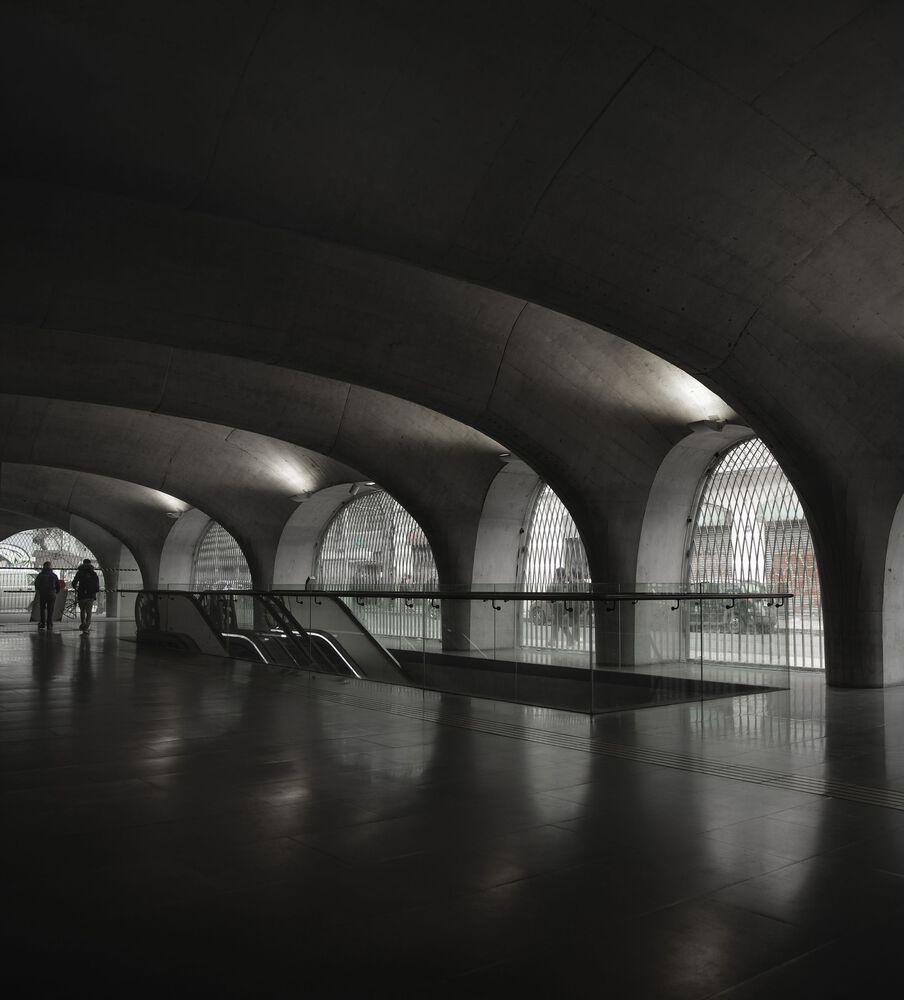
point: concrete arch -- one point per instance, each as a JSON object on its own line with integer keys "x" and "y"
{"x": 500, "y": 540}
{"x": 296, "y": 554}
{"x": 106, "y": 548}
{"x": 727, "y": 200}
{"x": 125, "y": 511}
{"x": 121, "y": 569}
{"x": 500, "y": 535}
{"x": 243, "y": 480}
{"x": 178, "y": 552}
{"x": 663, "y": 537}
{"x": 662, "y": 549}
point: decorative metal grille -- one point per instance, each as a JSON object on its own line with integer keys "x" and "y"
{"x": 219, "y": 563}
{"x": 750, "y": 533}
{"x": 553, "y": 559}
{"x": 25, "y": 552}
{"x": 373, "y": 543}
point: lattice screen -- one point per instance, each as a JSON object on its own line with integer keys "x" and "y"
{"x": 750, "y": 533}
{"x": 219, "y": 563}
{"x": 26, "y": 551}
{"x": 553, "y": 558}
{"x": 373, "y": 543}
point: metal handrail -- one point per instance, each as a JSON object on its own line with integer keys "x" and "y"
{"x": 488, "y": 595}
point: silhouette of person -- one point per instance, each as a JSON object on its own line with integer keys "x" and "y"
{"x": 87, "y": 587}
{"x": 47, "y": 585}
{"x": 562, "y": 621}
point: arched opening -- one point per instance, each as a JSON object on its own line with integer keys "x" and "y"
{"x": 553, "y": 558}
{"x": 22, "y": 554}
{"x": 749, "y": 533}
{"x": 372, "y": 543}
{"x": 218, "y": 562}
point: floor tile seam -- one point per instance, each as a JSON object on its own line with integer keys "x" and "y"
{"x": 568, "y": 741}
{"x": 763, "y": 973}
{"x": 295, "y": 838}
{"x": 711, "y": 897}
{"x": 809, "y": 785}
{"x": 624, "y": 753}
{"x": 864, "y": 926}
{"x": 819, "y": 786}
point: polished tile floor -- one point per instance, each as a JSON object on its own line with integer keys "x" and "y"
{"x": 198, "y": 826}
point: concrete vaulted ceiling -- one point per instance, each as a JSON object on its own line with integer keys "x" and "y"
{"x": 115, "y": 510}
{"x": 479, "y": 209}
{"x": 438, "y": 467}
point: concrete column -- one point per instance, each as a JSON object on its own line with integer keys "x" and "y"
{"x": 852, "y": 580}
{"x": 855, "y": 526}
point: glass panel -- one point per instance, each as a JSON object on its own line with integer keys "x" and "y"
{"x": 640, "y": 650}
{"x": 556, "y": 673}
{"x": 468, "y": 660}
{"x": 673, "y": 650}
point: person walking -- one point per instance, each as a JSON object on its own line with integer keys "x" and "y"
{"x": 47, "y": 585}
{"x": 87, "y": 587}
{"x": 562, "y": 614}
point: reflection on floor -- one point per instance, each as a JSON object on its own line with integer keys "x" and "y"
{"x": 555, "y": 681}
{"x": 735, "y": 671}
{"x": 193, "y": 824}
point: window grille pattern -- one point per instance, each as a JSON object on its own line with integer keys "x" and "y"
{"x": 553, "y": 558}
{"x": 22, "y": 554}
{"x": 750, "y": 533}
{"x": 373, "y": 543}
{"x": 219, "y": 563}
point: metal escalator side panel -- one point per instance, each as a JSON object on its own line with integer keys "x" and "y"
{"x": 175, "y": 613}
{"x": 297, "y": 641}
{"x": 331, "y": 615}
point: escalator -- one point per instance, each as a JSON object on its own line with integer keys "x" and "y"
{"x": 258, "y": 626}
{"x": 331, "y": 617}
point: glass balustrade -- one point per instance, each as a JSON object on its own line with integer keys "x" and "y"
{"x": 588, "y": 651}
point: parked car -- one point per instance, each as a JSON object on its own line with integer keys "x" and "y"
{"x": 743, "y": 615}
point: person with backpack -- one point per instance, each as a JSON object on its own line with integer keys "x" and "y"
{"x": 47, "y": 585}
{"x": 87, "y": 586}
